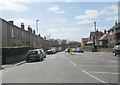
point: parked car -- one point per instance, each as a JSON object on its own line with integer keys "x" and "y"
{"x": 34, "y": 55}
{"x": 73, "y": 49}
{"x": 67, "y": 50}
{"x": 50, "y": 52}
{"x": 116, "y": 50}
{"x": 43, "y": 52}
{"x": 81, "y": 50}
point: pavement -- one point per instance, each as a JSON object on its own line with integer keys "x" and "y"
{"x": 12, "y": 65}
{"x": 88, "y": 67}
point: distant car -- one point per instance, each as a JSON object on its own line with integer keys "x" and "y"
{"x": 34, "y": 55}
{"x": 50, "y": 52}
{"x": 81, "y": 50}
{"x": 116, "y": 50}
{"x": 73, "y": 49}
{"x": 67, "y": 50}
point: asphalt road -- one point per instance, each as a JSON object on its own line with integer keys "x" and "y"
{"x": 85, "y": 67}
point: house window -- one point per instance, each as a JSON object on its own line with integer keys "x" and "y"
{"x": 13, "y": 33}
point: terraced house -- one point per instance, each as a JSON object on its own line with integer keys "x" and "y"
{"x": 18, "y": 36}
{"x": 114, "y": 35}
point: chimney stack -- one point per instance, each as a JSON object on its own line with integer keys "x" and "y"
{"x": 39, "y": 35}
{"x": 29, "y": 29}
{"x": 33, "y": 31}
{"x": 44, "y": 37}
{"x": 115, "y": 22}
{"x": 105, "y": 31}
{"x": 22, "y": 26}
{"x": 11, "y": 22}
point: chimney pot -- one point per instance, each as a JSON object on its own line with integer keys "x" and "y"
{"x": 22, "y": 25}
{"x": 11, "y": 22}
{"x": 115, "y": 22}
{"x": 29, "y": 29}
{"x": 34, "y": 32}
{"x": 105, "y": 31}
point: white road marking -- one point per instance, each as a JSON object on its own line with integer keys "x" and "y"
{"x": 72, "y": 63}
{"x": 66, "y": 58}
{"x": 93, "y": 76}
{"x": 112, "y": 61}
{"x": 105, "y": 72}
{"x": 97, "y": 66}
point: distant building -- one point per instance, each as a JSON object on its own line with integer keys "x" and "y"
{"x": 114, "y": 35}
{"x": 84, "y": 41}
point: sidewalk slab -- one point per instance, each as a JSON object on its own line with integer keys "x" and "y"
{"x": 12, "y": 65}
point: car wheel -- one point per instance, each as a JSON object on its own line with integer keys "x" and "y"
{"x": 114, "y": 53}
{"x": 42, "y": 59}
{"x": 27, "y": 60}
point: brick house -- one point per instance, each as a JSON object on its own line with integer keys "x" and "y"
{"x": 84, "y": 41}
{"x": 93, "y": 36}
{"x": 103, "y": 41}
{"x": 114, "y": 35}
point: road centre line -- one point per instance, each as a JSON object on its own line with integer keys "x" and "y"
{"x": 105, "y": 73}
{"x": 93, "y": 76}
{"x": 66, "y": 58}
{"x": 72, "y": 63}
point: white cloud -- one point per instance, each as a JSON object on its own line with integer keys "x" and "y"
{"x": 89, "y": 14}
{"x": 13, "y": 5}
{"x": 69, "y": 33}
{"x": 56, "y": 9}
{"x": 110, "y": 10}
{"x": 114, "y": 18}
{"x": 85, "y": 22}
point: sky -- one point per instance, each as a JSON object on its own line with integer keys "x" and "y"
{"x": 65, "y": 19}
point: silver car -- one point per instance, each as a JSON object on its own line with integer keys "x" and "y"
{"x": 116, "y": 50}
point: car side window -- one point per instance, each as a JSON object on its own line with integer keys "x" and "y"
{"x": 40, "y": 52}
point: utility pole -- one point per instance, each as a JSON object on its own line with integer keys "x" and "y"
{"x": 96, "y": 42}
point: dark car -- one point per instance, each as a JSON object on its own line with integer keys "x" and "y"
{"x": 116, "y": 50}
{"x": 81, "y": 50}
{"x": 34, "y": 55}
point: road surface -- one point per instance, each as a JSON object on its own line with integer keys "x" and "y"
{"x": 88, "y": 67}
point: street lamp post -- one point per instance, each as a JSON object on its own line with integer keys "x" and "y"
{"x": 37, "y": 25}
